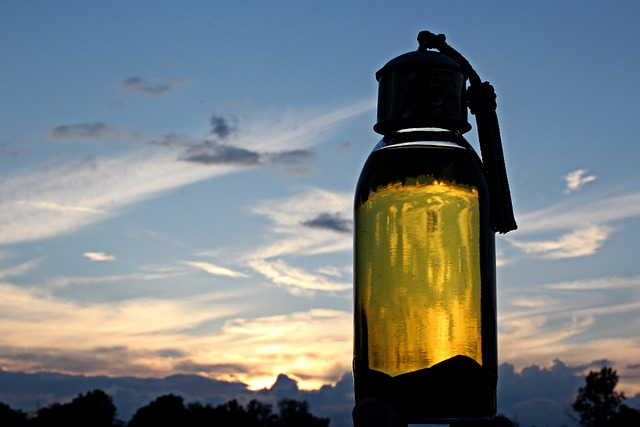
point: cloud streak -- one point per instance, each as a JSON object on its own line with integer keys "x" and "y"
{"x": 154, "y": 336}
{"x": 297, "y": 281}
{"x": 94, "y": 131}
{"x": 215, "y": 270}
{"x": 292, "y": 233}
{"x": 581, "y": 242}
{"x": 150, "y": 86}
{"x": 583, "y": 224}
{"x": 596, "y": 209}
{"x": 572, "y": 321}
{"x": 99, "y": 256}
{"x": 48, "y": 201}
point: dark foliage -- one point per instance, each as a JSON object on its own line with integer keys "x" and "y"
{"x": 96, "y": 409}
{"x": 165, "y": 410}
{"x": 12, "y": 417}
{"x": 296, "y": 414}
{"x": 599, "y": 405}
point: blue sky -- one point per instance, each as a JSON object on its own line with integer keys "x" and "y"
{"x": 177, "y": 180}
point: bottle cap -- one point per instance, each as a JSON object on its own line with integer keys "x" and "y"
{"x": 421, "y": 89}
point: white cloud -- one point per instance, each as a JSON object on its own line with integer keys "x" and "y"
{"x": 576, "y": 179}
{"x": 18, "y": 270}
{"x": 215, "y": 269}
{"x": 73, "y": 325}
{"x": 86, "y": 193}
{"x": 581, "y": 211}
{"x": 606, "y": 283}
{"x": 296, "y": 235}
{"x": 99, "y": 256}
{"x": 297, "y": 281}
{"x": 581, "y": 224}
{"x": 582, "y": 242}
{"x": 289, "y": 216}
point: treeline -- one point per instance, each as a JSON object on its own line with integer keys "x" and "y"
{"x": 96, "y": 409}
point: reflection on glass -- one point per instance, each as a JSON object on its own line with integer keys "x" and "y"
{"x": 419, "y": 275}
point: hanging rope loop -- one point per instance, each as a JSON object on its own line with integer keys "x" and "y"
{"x": 481, "y": 100}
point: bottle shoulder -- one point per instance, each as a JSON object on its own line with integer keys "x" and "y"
{"x": 444, "y": 157}
{"x": 423, "y": 138}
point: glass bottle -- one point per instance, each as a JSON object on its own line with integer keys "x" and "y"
{"x": 424, "y": 261}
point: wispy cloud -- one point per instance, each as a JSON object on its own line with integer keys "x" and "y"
{"x": 606, "y": 283}
{"x": 572, "y": 321}
{"x": 58, "y": 199}
{"x": 215, "y": 269}
{"x": 296, "y": 280}
{"x": 50, "y": 200}
{"x": 95, "y": 131}
{"x": 18, "y": 270}
{"x": 298, "y": 234}
{"x": 581, "y": 242}
{"x": 296, "y": 226}
{"x": 582, "y": 225}
{"x": 576, "y": 179}
{"x": 107, "y": 337}
{"x": 99, "y": 256}
{"x": 151, "y": 86}
{"x": 581, "y": 211}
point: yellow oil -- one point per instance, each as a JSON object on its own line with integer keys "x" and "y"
{"x": 418, "y": 270}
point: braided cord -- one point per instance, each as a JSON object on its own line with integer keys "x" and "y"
{"x": 481, "y": 99}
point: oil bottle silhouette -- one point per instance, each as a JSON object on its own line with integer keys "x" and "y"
{"x": 424, "y": 252}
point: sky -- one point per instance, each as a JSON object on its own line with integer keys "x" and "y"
{"x": 177, "y": 178}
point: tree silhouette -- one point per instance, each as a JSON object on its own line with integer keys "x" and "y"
{"x": 94, "y": 408}
{"x": 167, "y": 410}
{"x": 200, "y": 415}
{"x": 296, "y": 414}
{"x": 262, "y": 414}
{"x": 11, "y": 417}
{"x": 597, "y": 402}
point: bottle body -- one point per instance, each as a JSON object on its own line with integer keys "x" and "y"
{"x": 424, "y": 303}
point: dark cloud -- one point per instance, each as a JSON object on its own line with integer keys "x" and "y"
{"x": 96, "y": 130}
{"x": 171, "y": 353}
{"x": 30, "y": 391}
{"x": 539, "y": 395}
{"x": 168, "y": 140}
{"x": 211, "y": 368}
{"x": 150, "y": 86}
{"x": 535, "y": 395}
{"x": 329, "y": 221}
{"x": 217, "y": 153}
{"x": 223, "y": 127}
{"x": 290, "y": 157}
{"x": 91, "y": 360}
{"x": 221, "y": 151}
